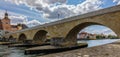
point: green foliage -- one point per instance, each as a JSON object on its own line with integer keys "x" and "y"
{"x": 108, "y": 37}
{"x": 99, "y": 37}
{"x": 112, "y": 37}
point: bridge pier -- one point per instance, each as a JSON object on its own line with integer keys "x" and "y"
{"x": 4, "y": 40}
{"x": 12, "y": 40}
{"x": 62, "y": 42}
{"x": 27, "y": 42}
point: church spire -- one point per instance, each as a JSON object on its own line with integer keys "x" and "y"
{"x": 6, "y": 15}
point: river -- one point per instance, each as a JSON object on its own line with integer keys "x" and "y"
{"x": 19, "y": 52}
{"x": 92, "y": 43}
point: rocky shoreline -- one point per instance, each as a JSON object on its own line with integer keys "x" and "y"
{"x": 108, "y": 50}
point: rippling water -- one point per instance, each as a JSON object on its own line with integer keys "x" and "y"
{"x": 19, "y": 52}
{"x": 13, "y": 52}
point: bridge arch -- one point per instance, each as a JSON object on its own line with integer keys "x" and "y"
{"x": 22, "y": 37}
{"x": 4, "y": 39}
{"x": 40, "y": 36}
{"x": 72, "y": 34}
{"x": 11, "y": 39}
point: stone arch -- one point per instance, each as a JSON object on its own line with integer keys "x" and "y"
{"x": 11, "y": 39}
{"x": 11, "y": 36}
{"x": 4, "y": 39}
{"x": 22, "y": 37}
{"x": 40, "y": 36}
{"x": 72, "y": 34}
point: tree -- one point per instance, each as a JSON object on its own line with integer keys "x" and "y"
{"x": 98, "y": 37}
{"x": 112, "y": 37}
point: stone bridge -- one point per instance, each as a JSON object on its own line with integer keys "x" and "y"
{"x": 68, "y": 28}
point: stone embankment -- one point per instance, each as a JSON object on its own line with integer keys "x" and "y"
{"x": 108, "y": 50}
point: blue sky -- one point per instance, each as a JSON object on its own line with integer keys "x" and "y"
{"x": 35, "y": 12}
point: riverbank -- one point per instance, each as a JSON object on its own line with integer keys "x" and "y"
{"x": 108, "y": 50}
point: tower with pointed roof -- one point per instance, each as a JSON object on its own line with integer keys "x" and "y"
{"x": 6, "y": 15}
{"x": 6, "y": 26}
{"x": 6, "y": 22}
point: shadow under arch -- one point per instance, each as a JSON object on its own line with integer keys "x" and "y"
{"x": 40, "y": 36}
{"x": 72, "y": 34}
{"x": 4, "y": 39}
{"x": 22, "y": 37}
{"x": 11, "y": 39}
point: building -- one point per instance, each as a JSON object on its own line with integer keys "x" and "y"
{"x": 82, "y": 35}
{"x": 6, "y": 25}
{"x": 85, "y": 35}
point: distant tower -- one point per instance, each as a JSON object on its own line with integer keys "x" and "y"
{"x": 6, "y": 15}
{"x": 6, "y": 22}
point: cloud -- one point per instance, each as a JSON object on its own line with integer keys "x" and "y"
{"x": 37, "y": 3}
{"x": 23, "y": 20}
{"x": 62, "y": 10}
{"x": 51, "y": 8}
{"x": 65, "y": 10}
{"x": 18, "y": 18}
{"x": 33, "y": 23}
{"x": 54, "y": 1}
{"x": 109, "y": 32}
{"x": 117, "y": 1}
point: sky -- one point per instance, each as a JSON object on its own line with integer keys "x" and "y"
{"x": 36, "y": 12}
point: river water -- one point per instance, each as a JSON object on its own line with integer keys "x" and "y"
{"x": 92, "y": 43}
{"x": 19, "y": 52}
